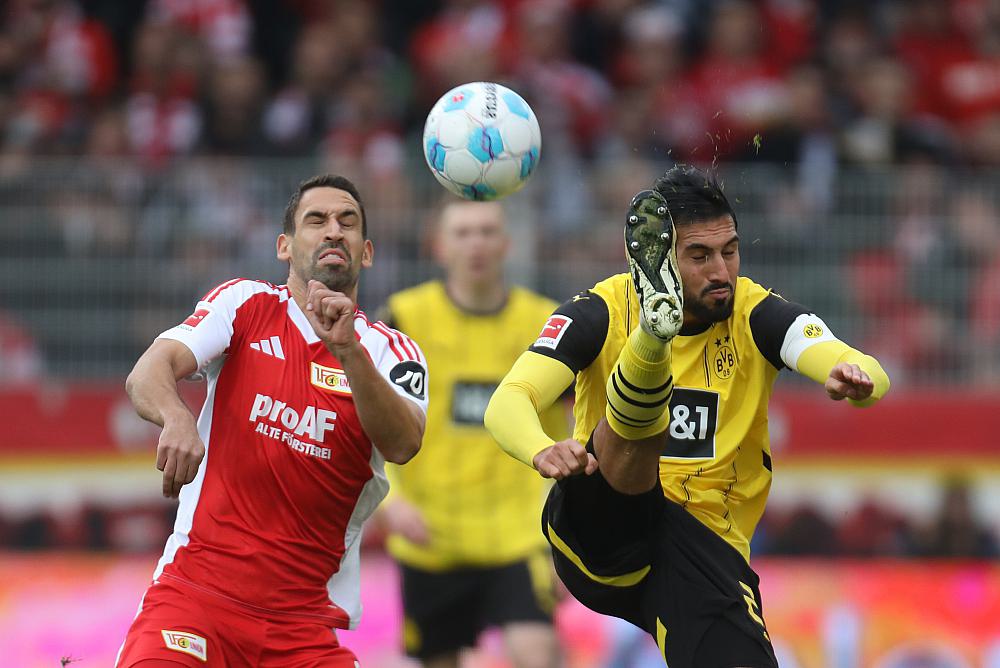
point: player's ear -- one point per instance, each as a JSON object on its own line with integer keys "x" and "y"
{"x": 284, "y": 254}
{"x": 368, "y": 254}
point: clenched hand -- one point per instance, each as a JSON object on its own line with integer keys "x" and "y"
{"x": 332, "y": 316}
{"x": 563, "y": 459}
{"x": 848, "y": 381}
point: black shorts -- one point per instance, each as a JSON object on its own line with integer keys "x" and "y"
{"x": 446, "y": 611}
{"x": 647, "y": 560}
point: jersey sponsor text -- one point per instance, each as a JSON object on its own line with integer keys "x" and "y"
{"x": 313, "y": 423}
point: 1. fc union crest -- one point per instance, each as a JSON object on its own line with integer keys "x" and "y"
{"x": 327, "y": 378}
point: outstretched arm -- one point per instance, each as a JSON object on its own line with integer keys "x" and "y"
{"x": 788, "y": 334}
{"x": 846, "y": 373}
{"x": 152, "y": 387}
{"x": 532, "y": 385}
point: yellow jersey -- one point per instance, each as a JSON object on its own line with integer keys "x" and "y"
{"x": 481, "y": 506}
{"x": 717, "y": 458}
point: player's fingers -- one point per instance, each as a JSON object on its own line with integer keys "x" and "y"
{"x": 570, "y": 462}
{"x": 548, "y": 470}
{"x": 183, "y": 475}
{"x": 190, "y": 472}
{"x": 169, "y": 469}
{"x": 591, "y": 464}
{"x": 859, "y": 392}
{"x": 161, "y": 458}
{"x": 336, "y": 306}
{"x": 836, "y": 389}
{"x": 579, "y": 453}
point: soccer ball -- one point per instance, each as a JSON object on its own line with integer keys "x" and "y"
{"x": 481, "y": 141}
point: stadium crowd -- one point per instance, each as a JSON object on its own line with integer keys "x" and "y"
{"x": 860, "y": 138}
{"x": 150, "y": 130}
{"x": 825, "y": 82}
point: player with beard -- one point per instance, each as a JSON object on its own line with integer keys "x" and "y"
{"x": 674, "y": 364}
{"x": 306, "y": 401}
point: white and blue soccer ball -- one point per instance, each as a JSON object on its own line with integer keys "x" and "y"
{"x": 481, "y": 141}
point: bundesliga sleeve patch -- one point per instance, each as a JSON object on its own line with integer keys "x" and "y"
{"x": 410, "y": 376}
{"x": 195, "y": 318}
{"x": 553, "y": 331}
{"x": 188, "y": 643}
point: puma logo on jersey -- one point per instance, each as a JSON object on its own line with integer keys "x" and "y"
{"x": 312, "y": 422}
{"x": 271, "y": 346}
{"x": 188, "y": 643}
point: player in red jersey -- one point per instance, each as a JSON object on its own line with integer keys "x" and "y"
{"x": 306, "y": 401}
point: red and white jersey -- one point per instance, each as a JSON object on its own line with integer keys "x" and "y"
{"x": 273, "y": 518}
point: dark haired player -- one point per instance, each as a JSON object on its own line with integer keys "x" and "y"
{"x": 306, "y": 401}
{"x": 674, "y": 365}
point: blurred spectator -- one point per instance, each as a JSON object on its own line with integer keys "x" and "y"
{"x": 805, "y": 532}
{"x": 234, "y": 108}
{"x": 976, "y": 225}
{"x": 884, "y": 130}
{"x": 223, "y": 26}
{"x": 915, "y": 340}
{"x": 57, "y": 62}
{"x": 465, "y": 42}
{"x": 872, "y": 530}
{"x": 803, "y": 140}
{"x": 93, "y": 222}
{"x": 738, "y": 88}
{"x": 162, "y": 115}
{"x": 296, "y": 117}
{"x": 361, "y": 133}
{"x": 657, "y": 114}
{"x": 20, "y": 355}
{"x": 572, "y": 103}
{"x": 955, "y": 532}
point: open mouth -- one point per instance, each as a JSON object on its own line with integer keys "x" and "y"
{"x": 333, "y": 256}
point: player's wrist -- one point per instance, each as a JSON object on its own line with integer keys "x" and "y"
{"x": 177, "y": 417}
{"x": 345, "y": 352}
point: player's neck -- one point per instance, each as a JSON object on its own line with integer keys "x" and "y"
{"x": 477, "y": 297}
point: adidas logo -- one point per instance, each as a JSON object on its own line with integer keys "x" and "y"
{"x": 270, "y": 347}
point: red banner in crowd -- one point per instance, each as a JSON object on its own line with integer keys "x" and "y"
{"x": 89, "y": 418}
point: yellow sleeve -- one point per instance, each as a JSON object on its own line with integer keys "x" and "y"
{"x": 818, "y": 360}
{"x": 532, "y": 385}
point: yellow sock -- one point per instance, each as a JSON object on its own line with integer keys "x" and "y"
{"x": 639, "y": 387}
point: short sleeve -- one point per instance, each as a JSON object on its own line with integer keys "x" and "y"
{"x": 769, "y": 323}
{"x": 209, "y": 330}
{"x": 575, "y": 333}
{"x": 399, "y": 360}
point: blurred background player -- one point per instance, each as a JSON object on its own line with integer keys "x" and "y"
{"x": 463, "y": 516}
{"x": 264, "y": 556}
{"x": 658, "y": 533}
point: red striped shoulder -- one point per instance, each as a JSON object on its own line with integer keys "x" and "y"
{"x": 393, "y": 345}
{"x": 409, "y": 344}
{"x": 400, "y": 344}
{"x": 254, "y": 285}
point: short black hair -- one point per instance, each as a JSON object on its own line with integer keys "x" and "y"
{"x": 693, "y": 196}
{"x": 323, "y": 181}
